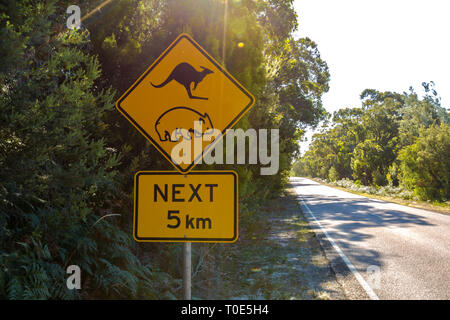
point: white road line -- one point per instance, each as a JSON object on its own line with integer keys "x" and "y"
{"x": 350, "y": 265}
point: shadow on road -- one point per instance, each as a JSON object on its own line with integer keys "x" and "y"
{"x": 347, "y": 218}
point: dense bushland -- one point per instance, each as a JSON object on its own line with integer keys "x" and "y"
{"x": 67, "y": 158}
{"x": 397, "y": 140}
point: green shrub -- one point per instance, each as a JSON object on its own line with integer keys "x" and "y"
{"x": 333, "y": 175}
{"x": 58, "y": 176}
{"x": 425, "y": 165}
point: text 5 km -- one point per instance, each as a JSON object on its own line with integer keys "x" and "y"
{"x": 190, "y": 222}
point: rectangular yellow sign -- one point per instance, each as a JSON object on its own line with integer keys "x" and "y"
{"x": 199, "y": 207}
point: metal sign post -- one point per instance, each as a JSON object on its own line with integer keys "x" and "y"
{"x": 187, "y": 271}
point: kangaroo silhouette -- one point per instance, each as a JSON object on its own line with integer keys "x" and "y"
{"x": 185, "y": 74}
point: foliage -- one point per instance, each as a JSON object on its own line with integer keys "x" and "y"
{"x": 384, "y": 142}
{"x": 68, "y": 158}
{"x": 425, "y": 165}
{"x": 333, "y": 174}
{"x": 58, "y": 177}
{"x": 286, "y": 76}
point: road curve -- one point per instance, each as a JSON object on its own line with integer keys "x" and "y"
{"x": 409, "y": 247}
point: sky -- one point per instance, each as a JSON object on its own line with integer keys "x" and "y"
{"x": 388, "y": 45}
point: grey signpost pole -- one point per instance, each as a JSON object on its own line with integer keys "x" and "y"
{"x": 187, "y": 271}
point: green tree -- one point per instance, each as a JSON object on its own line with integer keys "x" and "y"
{"x": 418, "y": 114}
{"x": 367, "y": 161}
{"x": 59, "y": 177}
{"x": 425, "y": 165}
{"x": 363, "y": 143}
{"x": 286, "y": 76}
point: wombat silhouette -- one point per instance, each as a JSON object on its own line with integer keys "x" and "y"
{"x": 185, "y": 74}
{"x": 169, "y": 124}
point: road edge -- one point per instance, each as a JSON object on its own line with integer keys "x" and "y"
{"x": 346, "y": 277}
{"x": 389, "y": 199}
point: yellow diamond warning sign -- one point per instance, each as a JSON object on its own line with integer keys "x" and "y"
{"x": 199, "y": 207}
{"x": 185, "y": 94}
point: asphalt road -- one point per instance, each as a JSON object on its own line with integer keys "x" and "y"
{"x": 397, "y": 251}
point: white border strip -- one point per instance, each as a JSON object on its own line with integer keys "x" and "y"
{"x": 351, "y": 267}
